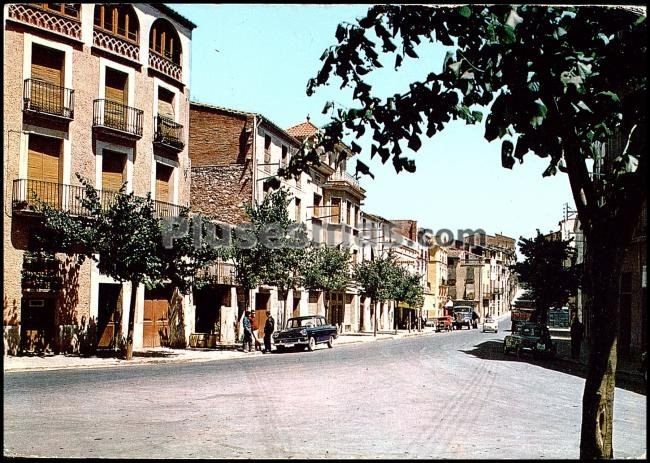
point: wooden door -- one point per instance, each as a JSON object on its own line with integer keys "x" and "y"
{"x": 108, "y": 313}
{"x": 116, "y": 99}
{"x": 155, "y": 323}
{"x": 261, "y": 306}
{"x": 37, "y": 324}
{"x": 44, "y": 168}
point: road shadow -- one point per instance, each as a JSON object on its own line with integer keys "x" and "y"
{"x": 493, "y": 350}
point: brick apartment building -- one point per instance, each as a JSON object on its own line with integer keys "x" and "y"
{"x": 101, "y": 90}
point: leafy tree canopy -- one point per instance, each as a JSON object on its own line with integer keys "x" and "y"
{"x": 547, "y": 272}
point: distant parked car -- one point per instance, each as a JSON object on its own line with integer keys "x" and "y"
{"x": 490, "y": 324}
{"x": 443, "y": 323}
{"x": 530, "y": 337}
{"x": 307, "y": 331}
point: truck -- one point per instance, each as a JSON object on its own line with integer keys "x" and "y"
{"x": 521, "y": 311}
{"x": 464, "y": 316}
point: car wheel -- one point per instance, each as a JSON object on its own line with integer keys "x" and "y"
{"x": 312, "y": 344}
{"x": 330, "y": 342}
{"x": 496, "y": 331}
{"x": 280, "y": 348}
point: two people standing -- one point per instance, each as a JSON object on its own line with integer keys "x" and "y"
{"x": 269, "y": 328}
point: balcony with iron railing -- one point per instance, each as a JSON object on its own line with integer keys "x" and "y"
{"x": 113, "y": 117}
{"x": 40, "y": 97}
{"x": 28, "y": 194}
{"x": 221, "y": 273}
{"x": 168, "y": 133}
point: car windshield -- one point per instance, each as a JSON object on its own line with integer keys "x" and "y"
{"x": 489, "y": 320}
{"x": 301, "y": 322}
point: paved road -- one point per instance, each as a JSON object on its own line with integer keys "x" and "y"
{"x": 445, "y": 395}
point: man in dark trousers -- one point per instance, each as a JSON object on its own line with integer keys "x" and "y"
{"x": 576, "y": 336}
{"x": 269, "y": 328}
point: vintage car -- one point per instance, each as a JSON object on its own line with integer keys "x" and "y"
{"x": 307, "y": 331}
{"x": 490, "y": 324}
{"x": 530, "y": 337}
{"x": 443, "y": 323}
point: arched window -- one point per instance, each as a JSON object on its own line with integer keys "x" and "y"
{"x": 164, "y": 41}
{"x": 119, "y": 20}
{"x": 70, "y": 10}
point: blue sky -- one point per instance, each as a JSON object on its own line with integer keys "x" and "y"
{"x": 266, "y": 54}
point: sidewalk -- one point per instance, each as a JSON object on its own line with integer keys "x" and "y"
{"x": 167, "y": 355}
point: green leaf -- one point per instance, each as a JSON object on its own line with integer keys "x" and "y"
{"x": 611, "y": 95}
{"x": 465, "y": 11}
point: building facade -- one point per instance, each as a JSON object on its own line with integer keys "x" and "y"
{"x": 99, "y": 90}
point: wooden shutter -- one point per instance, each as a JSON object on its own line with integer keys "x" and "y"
{"x": 165, "y": 103}
{"x": 335, "y": 210}
{"x": 112, "y": 170}
{"x": 116, "y": 86}
{"x": 43, "y": 159}
{"x": 163, "y": 176}
{"x": 44, "y": 168}
{"x": 47, "y": 65}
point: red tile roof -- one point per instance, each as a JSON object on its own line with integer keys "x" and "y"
{"x": 302, "y": 130}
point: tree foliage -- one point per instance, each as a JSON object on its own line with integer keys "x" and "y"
{"x": 548, "y": 272}
{"x": 379, "y": 278}
{"x": 122, "y": 234}
{"x": 555, "y": 81}
{"x": 269, "y": 249}
{"x": 326, "y": 268}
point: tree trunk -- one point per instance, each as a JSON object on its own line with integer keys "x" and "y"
{"x": 327, "y": 307}
{"x": 603, "y": 265}
{"x": 129, "y": 333}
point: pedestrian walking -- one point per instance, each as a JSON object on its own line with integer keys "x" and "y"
{"x": 576, "y": 336}
{"x": 269, "y": 328}
{"x": 248, "y": 333}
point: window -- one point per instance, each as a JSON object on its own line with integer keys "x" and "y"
{"x": 165, "y": 103}
{"x": 285, "y": 156}
{"x": 348, "y": 211}
{"x": 113, "y": 170}
{"x": 298, "y": 211}
{"x": 335, "y": 210}
{"x": 119, "y": 20}
{"x": 164, "y": 41}
{"x": 267, "y": 153}
{"x": 317, "y": 203}
{"x": 117, "y": 96}
{"x": 163, "y": 181}
{"x": 66, "y": 9}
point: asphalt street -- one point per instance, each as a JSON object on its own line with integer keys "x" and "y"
{"x": 444, "y": 395}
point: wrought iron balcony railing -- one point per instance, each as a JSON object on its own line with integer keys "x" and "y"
{"x": 168, "y": 133}
{"x": 28, "y": 194}
{"x": 108, "y": 114}
{"x": 46, "y": 98}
